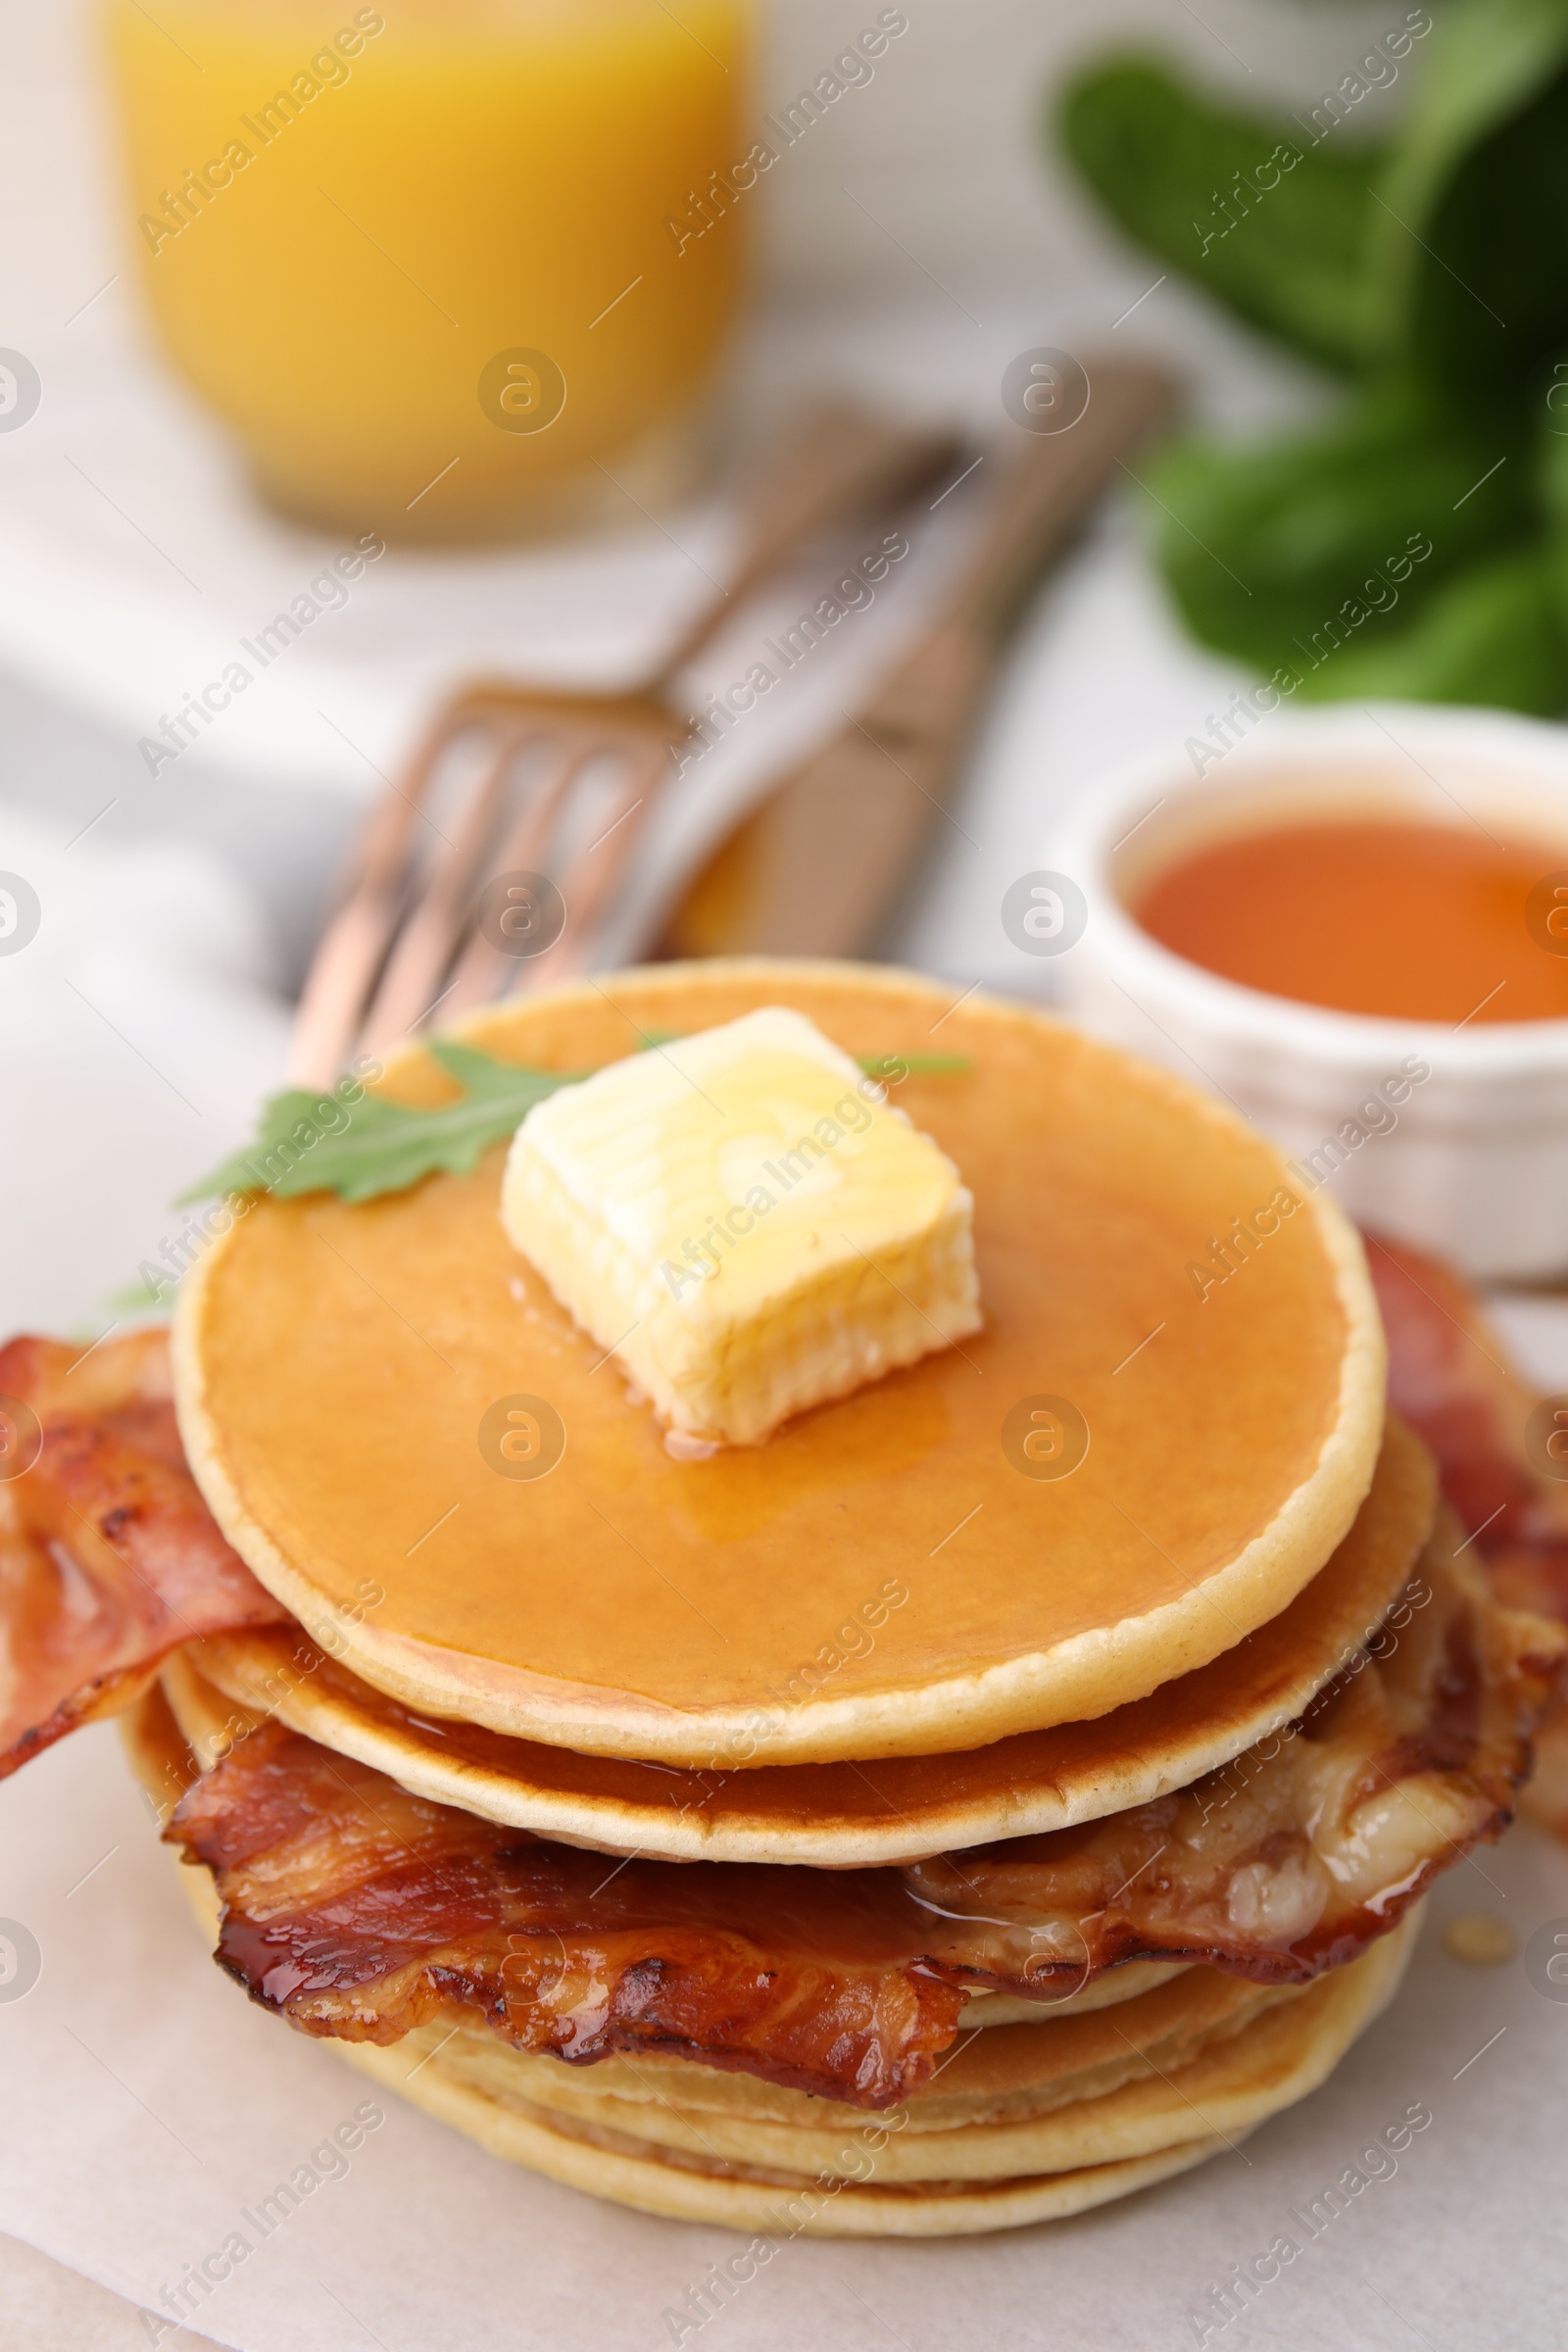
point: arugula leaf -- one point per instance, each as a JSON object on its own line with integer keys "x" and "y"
{"x": 1158, "y": 157}
{"x": 894, "y": 1066}
{"x": 362, "y": 1149}
{"x": 317, "y": 1143}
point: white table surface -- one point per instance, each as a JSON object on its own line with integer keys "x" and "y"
{"x": 147, "y": 2103}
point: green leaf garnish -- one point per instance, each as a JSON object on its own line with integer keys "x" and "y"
{"x": 913, "y": 1066}
{"x": 366, "y": 1146}
{"x": 320, "y": 1143}
{"x": 135, "y": 1298}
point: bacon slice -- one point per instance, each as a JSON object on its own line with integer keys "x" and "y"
{"x": 1304, "y": 1850}
{"x": 359, "y": 1911}
{"x": 108, "y": 1558}
{"x": 1450, "y": 1376}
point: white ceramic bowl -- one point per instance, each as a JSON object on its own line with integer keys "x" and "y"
{"x": 1471, "y": 1159}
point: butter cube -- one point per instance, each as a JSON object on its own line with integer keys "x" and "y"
{"x": 745, "y": 1223}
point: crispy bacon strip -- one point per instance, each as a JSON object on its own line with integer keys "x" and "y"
{"x": 359, "y": 1911}
{"x": 1450, "y": 1376}
{"x": 1302, "y": 1851}
{"x": 108, "y": 1558}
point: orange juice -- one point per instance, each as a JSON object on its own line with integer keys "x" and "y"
{"x": 420, "y": 257}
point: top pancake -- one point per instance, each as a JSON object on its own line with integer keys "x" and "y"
{"x": 896, "y": 1809}
{"x": 334, "y": 1362}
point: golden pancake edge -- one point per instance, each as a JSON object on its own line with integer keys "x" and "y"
{"x": 833, "y": 1815}
{"x": 1031, "y": 2127}
{"x": 333, "y": 1363}
{"x": 1086, "y": 2154}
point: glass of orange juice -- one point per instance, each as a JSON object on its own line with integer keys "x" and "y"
{"x": 455, "y": 269}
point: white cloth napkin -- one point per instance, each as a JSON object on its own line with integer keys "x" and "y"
{"x": 138, "y": 1028}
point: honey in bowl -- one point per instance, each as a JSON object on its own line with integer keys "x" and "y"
{"x": 1405, "y": 919}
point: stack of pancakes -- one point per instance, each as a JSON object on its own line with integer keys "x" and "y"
{"x": 1003, "y": 1789}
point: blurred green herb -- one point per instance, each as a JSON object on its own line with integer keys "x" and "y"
{"x": 1156, "y": 155}
{"x": 359, "y": 1146}
{"x": 1430, "y": 270}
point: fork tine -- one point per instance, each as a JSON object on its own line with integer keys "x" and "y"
{"x": 482, "y": 966}
{"x": 840, "y": 460}
{"x": 591, "y": 882}
{"x": 420, "y": 959}
{"x": 355, "y": 941}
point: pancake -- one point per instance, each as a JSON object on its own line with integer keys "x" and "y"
{"x": 880, "y": 2180}
{"x": 1015, "y": 2075}
{"x": 981, "y": 2150}
{"x": 187, "y": 1723}
{"x": 334, "y": 1362}
{"x": 631, "y": 2173}
{"x": 358, "y": 1912}
{"x": 834, "y": 1815}
{"x": 1123, "y": 1983}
